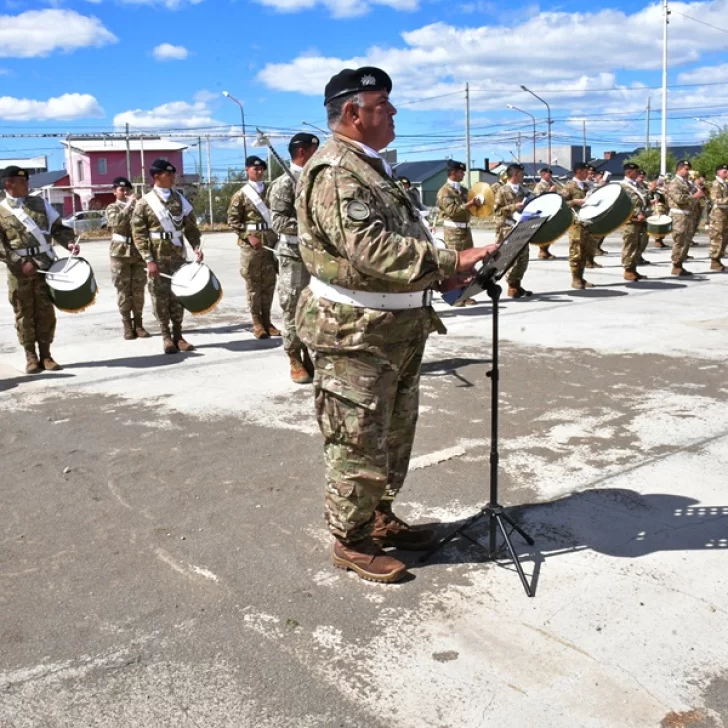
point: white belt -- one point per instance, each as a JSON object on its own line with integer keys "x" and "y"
{"x": 116, "y": 238}
{"x": 290, "y": 239}
{"x": 675, "y": 211}
{"x": 451, "y": 224}
{"x": 366, "y": 299}
{"x": 33, "y": 251}
{"x": 256, "y": 226}
{"x": 175, "y": 238}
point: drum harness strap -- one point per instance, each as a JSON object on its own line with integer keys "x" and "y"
{"x": 260, "y": 206}
{"x": 166, "y": 220}
{"x": 32, "y": 227}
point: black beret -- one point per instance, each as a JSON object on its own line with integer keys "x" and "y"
{"x": 122, "y": 182}
{"x": 453, "y": 165}
{"x": 405, "y": 179}
{"x": 254, "y": 161}
{"x": 514, "y": 167}
{"x": 721, "y": 166}
{"x": 352, "y": 81}
{"x": 590, "y": 168}
{"x": 161, "y": 165}
{"x": 545, "y": 169}
{"x": 303, "y": 139}
{"x": 579, "y": 166}
{"x": 628, "y": 166}
{"x": 683, "y": 163}
{"x": 13, "y": 171}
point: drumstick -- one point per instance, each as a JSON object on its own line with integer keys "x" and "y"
{"x": 70, "y": 257}
{"x": 171, "y": 278}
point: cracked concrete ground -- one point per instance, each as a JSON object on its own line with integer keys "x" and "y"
{"x": 178, "y": 573}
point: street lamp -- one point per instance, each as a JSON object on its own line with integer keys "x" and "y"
{"x": 242, "y": 119}
{"x": 533, "y": 119}
{"x": 705, "y": 121}
{"x": 548, "y": 122}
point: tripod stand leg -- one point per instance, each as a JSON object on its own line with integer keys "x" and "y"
{"x": 517, "y": 528}
{"x": 460, "y": 530}
{"x": 512, "y": 552}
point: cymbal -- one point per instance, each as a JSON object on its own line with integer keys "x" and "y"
{"x": 486, "y": 209}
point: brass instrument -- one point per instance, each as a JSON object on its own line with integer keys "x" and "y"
{"x": 262, "y": 140}
{"x": 486, "y": 209}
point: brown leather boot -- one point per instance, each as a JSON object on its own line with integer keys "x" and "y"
{"x": 659, "y": 243}
{"x": 259, "y": 331}
{"x": 139, "y": 329}
{"x": 392, "y": 531}
{"x": 45, "y": 356}
{"x": 716, "y": 264}
{"x": 586, "y": 284}
{"x": 601, "y": 251}
{"x": 678, "y": 270}
{"x": 642, "y": 261}
{"x": 272, "y": 330}
{"x": 577, "y": 283}
{"x": 32, "y": 365}
{"x": 299, "y": 375}
{"x": 593, "y": 264}
{"x": 180, "y": 342}
{"x": 518, "y": 291}
{"x": 631, "y": 275}
{"x": 543, "y": 253}
{"x": 367, "y": 560}
{"x": 168, "y": 345}
{"x": 129, "y": 332}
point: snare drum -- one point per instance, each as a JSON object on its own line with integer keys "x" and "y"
{"x": 560, "y": 217}
{"x": 605, "y": 209}
{"x": 659, "y": 225}
{"x": 74, "y": 289}
{"x": 196, "y": 288}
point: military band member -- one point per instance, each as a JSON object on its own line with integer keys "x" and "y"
{"x": 128, "y": 270}
{"x": 544, "y": 185}
{"x": 681, "y": 199}
{"x": 366, "y": 316}
{"x": 454, "y": 208}
{"x": 293, "y": 276}
{"x": 249, "y": 217}
{"x": 413, "y": 193}
{"x": 27, "y": 227}
{"x": 581, "y": 243}
{"x": 658, "y": 198}
{"x": 161, "y": 221}
{"x": 509, "y": 200}
{"x": 634, "y": 231}
{"x": 719, "y": 218}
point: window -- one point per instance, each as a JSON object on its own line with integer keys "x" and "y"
{"x": 79, "y": 171}
{"x": 101, "y": 165}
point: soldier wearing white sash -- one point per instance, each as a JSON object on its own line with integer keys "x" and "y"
{"x": 250, "y": 218}
{"x": 161, "y": 221}
{"x": 27, "y": 226}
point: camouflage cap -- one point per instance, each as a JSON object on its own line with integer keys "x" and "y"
{"x": 13, "y": 171}
{"x": 352, "y": 81}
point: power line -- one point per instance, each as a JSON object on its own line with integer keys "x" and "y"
{"x": 702, "y": 22}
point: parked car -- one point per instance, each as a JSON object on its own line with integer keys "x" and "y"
{"x": 86, "y": 220}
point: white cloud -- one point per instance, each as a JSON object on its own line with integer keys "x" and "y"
{"x": 67, "y": 106}
{"x": 172, "y": 115}
{"x": 169, "y": 52}
{"x": 40, "y": 32}
{"x": 706, "y": 74}
{"x": 168, "y": 4}
{"x": 339, "y": 8}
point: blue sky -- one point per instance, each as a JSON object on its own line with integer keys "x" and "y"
{"x": 92, "y": 66}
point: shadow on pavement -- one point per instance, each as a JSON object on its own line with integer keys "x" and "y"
{"x": 6, "y": 384}
{"x": 137, "y": 362}
{"x": 449, "y": 368}
{"x": 245, "y": 344}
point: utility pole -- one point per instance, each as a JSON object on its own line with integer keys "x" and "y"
{"x": 663, "y": 148}
{"x": 128, "y": 155}
{"x": 467, "y": 134}
{"x": 209, "y": 180}
{"x": 518, "y": 148}
{"x": 583, "y": 141}
{"x": 141, "y": 157}
{"x": 201, "y": 176}
{"x": 647, "y": 132}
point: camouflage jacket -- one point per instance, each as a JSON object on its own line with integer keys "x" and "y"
{"x": 14, "y": 236}
{"x": 118, "y": 216}
{"x": 144, "y": 221}
{"x": 359, "y": 230}
{"x": 679, "y": 196}
{"x": 242, "y": 212}
{"x": 506, "y": 203}
{"x": 639, "y": 197}
{"x": 572, "y": 192}
{"x": 282, "y": 205}
{"x": 719, "y": 198}
{"x": 451, "y": 203}
{"x": 543, "y": 187}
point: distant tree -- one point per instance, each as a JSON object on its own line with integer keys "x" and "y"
{"x": 715, "y": 153}
{"x": 649, "y": 160}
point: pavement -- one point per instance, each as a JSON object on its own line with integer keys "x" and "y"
{"x": 164, "y": 560}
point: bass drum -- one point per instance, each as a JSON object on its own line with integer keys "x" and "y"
{"x": 72, "y": 289}
{"x": 605, "y": 209}
{"x": 560, "y": 217}
{"x": 197, "y": 288}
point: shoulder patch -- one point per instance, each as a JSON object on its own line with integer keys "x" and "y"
{"x": 357, "y": 210}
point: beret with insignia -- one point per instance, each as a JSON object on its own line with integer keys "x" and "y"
{"x": 352, "y": 81}
{"x": 544, "y": 170}
{"x": 13, "y": 171}
{"x": 511, "y": 168}
{"x": 683, "y": 163}
{"x": 454, "y": 165}
{"x": 302, "y": 139}
{"x": 254, "y": 161}
{"x": 161, "y": 165}
{"x": 405, "y": 181}
{"x": 628, "y": 166}
{"x": 721, "y": 166}
{"x": 121, "y": 182}
{"x": 579, "y": 166}
{"x": 590, "y": 168}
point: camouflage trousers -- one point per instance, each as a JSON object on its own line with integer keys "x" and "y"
{"x": 293, "y": 278}
{"x": 258, "y": 271}
{"x": 165, "y": 305}
{"x": 582, "y": 247}
{"x": 367, "y": 410}
{"x": 458, "y": 238}
{"x": 634, "y": 243}
{"x": 718, "y": 234}
{"x": 129, "y": 276}
{"x": 681, "y": 238}
{"x": 35, "y": 316}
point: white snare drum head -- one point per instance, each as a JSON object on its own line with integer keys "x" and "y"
{"x": 77, "y": 274}
{"x": 190, "y": 278}
{"x": 600, "y": 200}
{"x": 659, "y": 219}
{"x": 547, "y": 204}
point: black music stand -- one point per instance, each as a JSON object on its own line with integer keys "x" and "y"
{"x": 486, "y": 280}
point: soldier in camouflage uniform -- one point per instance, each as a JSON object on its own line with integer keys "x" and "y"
{"x": 160, "y": 220}
{"x": 658, "y": 199}
{"x": 581, "y": 243}
{"x": 699, "y": 206}
{"x": 27, "y": 226}
{"x": 128, "y": 270}
{"x": 293, "y": 276}
{"x": 544, "y": 186}
{"x": 634, "y": 231}
{"x": 509, "y": 200}
{"x": 249, "y": 217}
{"x": 681, "y": 198}
{"x": 719, "y": 218}
{"x": 454, "y": 208}
{"x": 365, "y": 317}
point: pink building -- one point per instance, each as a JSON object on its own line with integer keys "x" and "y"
{"x": 92, "y": 165}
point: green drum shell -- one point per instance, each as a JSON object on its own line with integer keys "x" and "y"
{"x": 203, "y": 300}
{"x": 80, "y": 298}
{"x": 657, "y": 229}
{"x": 554, "y": 228}
{"x": 608, "y": 221}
